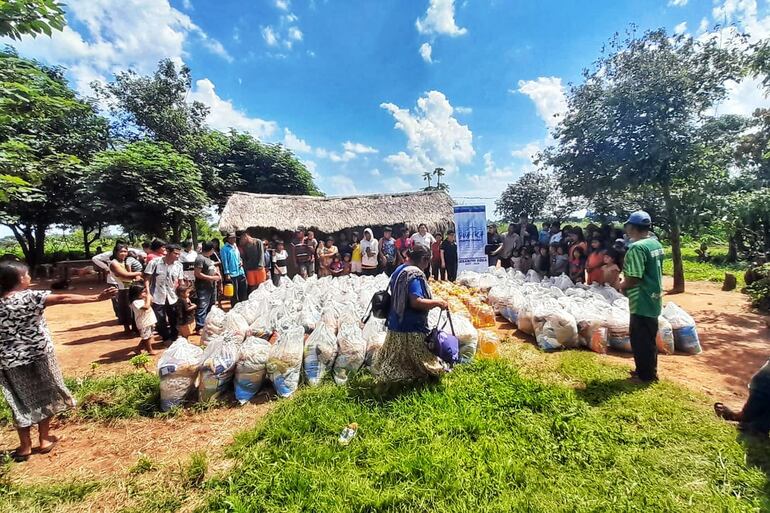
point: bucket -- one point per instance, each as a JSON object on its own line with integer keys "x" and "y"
{"x": 228, "y": 290}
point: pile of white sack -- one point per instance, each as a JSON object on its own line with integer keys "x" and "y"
{"x": 319, "y": 332}
{"x": 564, "y": 315}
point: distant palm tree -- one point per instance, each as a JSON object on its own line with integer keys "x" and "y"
{"x": 439, "y": 172}
{"x": 427, "y": 177}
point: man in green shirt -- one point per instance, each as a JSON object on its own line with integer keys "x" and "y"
{"x": 643, "y": 284}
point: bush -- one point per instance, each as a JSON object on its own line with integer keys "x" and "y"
{"x": 758, "y": 288}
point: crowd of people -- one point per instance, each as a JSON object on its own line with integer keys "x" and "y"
{"x": 591, "y": 255}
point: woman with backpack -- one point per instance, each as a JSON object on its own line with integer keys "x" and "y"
{"x": 404, "y": 357}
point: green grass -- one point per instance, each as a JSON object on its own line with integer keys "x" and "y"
{"x": 488, "y": 439}
{"x": 116, "y": 397}
{"x": 708, "y": 271}
{"x": 39, "y": 498}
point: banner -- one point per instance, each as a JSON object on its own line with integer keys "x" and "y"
{"x": 471, "y": 223}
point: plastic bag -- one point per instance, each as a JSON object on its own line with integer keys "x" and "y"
{"x": 329, "y": 317}
{"x": 487, "y": 281}
{"x": 251, "y": 368}
{"x": 685, "y": 334}
{"x": 677, "y": 316}
{"x": 665, "y": 338}
{"x": 618, "y": 326}
{"x": 310, "y": 317}
{"x": 218, "y": 366}
{"x": 351, "y": 352}
{"x": 214, "y": 324}
{"x": 468, "y": 337}
{"x": 247, "y": 309}
{"x": 236, "y": 325}
{"x": 319, "y": 354}
{"x": 374, "y": 334}
{"x": 532, "y": 276}
{"x": 177, "y": 368}
{"x": 284, "y": 363}
{"x": 558, "y": 331}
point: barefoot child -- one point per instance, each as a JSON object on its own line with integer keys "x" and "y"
{"x": 336, "y": 266}
{"x": 610, "y": 269}
{"x": 185, "y": 313}
{"x": 144, "y": 317}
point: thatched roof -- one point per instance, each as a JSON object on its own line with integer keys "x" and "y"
{"x": 332, "y": 214}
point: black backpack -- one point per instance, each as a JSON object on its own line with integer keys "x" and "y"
{"x": 379, "y": 306}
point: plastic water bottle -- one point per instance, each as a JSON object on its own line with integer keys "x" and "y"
{"x": 348, "y": 433}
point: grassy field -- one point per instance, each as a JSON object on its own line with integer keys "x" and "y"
{"x": 527, "y": 432}
{"x": 708, "y": 271}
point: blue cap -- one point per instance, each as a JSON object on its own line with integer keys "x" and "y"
{"x": 640, "y": 218}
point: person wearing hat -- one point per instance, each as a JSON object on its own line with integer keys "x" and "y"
{"x": 494, "y": 241}
{"x": 232, "y": 269}
{"x": 643, "y": 284}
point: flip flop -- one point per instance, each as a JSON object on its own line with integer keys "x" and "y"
{"x": 50, "y": 448}
{"x": 20, "y": 458}
{"x": 724, "y": 412}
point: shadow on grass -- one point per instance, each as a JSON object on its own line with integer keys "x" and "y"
{"x": 366, "y": 390}
{"x": 598, "y": 391}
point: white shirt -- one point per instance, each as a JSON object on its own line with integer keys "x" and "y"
{"x": 373, "y": 245}
{"x": 102, "y": 261}
{"x": 555, "y": 238}
{"x": 277, "y": 257}
{"x": 427, "y": 240}
{"x": 144, "y": 318}
{"x": 164, "y": 279}
{"x": 188, "y": 257}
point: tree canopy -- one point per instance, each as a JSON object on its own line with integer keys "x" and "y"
{"x": 34, "y": 17}
{"x": 529, "y": 195}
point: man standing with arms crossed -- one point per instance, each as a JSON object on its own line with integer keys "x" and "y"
{"x": 643, "y": 284}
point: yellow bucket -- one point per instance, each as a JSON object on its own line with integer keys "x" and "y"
{"x": 228, "y": 290}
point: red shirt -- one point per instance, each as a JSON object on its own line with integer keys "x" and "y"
{"x": 435, "y": 251}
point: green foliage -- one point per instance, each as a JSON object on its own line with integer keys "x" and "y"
{"x": 194, "y": 472}
{"x": 749, "y": 220}
{"x": 151, "y": 188}
{"x": 44, "y": 498}
{"x": 33, "y": 17}
{"x": 713, "y": 270}
{"x": 759, "y": 289}
{"x": 143, "y": 465}
{"x": 487, "y": 439}
{"x": 529, "y": 195}
{"x": 140, "y": 361}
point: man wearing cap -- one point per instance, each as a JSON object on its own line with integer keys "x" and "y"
{"x": 494, "y": 241}
{"x": 232, "y": 268}
{"x": 643, "y": 284}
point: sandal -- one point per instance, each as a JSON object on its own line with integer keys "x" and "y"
{"x": 20, "y": 458}
{"x": 46, "y": 450}
{"x": 724, "y": 412}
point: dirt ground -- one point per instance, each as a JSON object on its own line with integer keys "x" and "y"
{"x": 736, "y": 342}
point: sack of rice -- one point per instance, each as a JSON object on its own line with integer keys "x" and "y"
{"x": 214, "y": 324}
{"x": 284, "y": 363}
{"x": 251, "y": 368}
{"x": 310, "y": 316}
{"x": 218, "y": 366}
{"x": 236, "y": 326}
{"x": 351, "y": 352}
{"x": 685, "y": 334}
{"x": 319, "y": 355}
{"x": 374, "y": 336}
{"x": 467, "y": 335}
{"x": 177, "y": 368}
{"x": 665, "y": 337}
{"x": 618, "y": 326}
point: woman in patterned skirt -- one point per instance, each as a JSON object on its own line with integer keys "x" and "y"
{"x": 30, "y": 379}
{"x": 404, "y": 357}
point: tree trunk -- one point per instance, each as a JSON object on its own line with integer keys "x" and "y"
{"x": 676, "y": 241}
{"x": 86, "y": 242}
{"x": 176, "y": 231}
{"x": 732, "y": 251}
{"x": 194, "y": 232}
{"x": 39, "y": 244}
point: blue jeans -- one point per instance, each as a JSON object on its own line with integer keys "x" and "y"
{"x": 206, "y": 299}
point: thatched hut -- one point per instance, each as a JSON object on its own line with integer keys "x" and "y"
{"x": 270, "y": 212}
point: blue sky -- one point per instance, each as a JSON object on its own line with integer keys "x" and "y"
{"x": 372, "y": 93}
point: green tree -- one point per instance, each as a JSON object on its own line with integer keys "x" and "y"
{"x": 148, "y": 188}
{"x": 427, "y": 176}
{"x": 33, "y": 17}
{"x": 47, "y": 135}
{"x": 634, "y": 124}
{"x": 529, "y": 195}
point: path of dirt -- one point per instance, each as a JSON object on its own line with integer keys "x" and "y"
{"x": 736, "y": 341}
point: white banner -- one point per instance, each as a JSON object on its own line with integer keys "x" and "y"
{"x": 471, "y": 224}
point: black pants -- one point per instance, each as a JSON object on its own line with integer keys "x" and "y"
{"x": 756, "y": 411}
{"x": 390, "y": 267}
{"x": 167, "y": 320}
{"x": 451, "y": 271}
{"x": 240, "y": 290}
{"x": 643, "y": 331}
{"x": 369, "y": 271}
{"x": 437, "y": 272}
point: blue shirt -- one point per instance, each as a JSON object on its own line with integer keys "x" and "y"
{"x": 388, "y": 248}
{"x": 231, "y": 261}
{"x": 545, "y": 237}
{"x": 414, "y": 321}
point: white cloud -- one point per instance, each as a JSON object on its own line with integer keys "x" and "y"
{"x": 224, "y": 115}
{"x": 294, "y": 143}
{"x": 548, "y": 95}
{"x": 703, "y": 26}
{"x": 677, "y": 3}
{"x": 440, "y": 19}
{"x": 425, "y": 52}
{"x": 295, "y": 34}
{"x": 187, "y": 5}
{"x": 681, "y": 28}
{"x": 375, "y": 172}
{"x": 397, "y": 184}
{"x": 269, "y": 35}
{"x": 344, "y": 157}
{"x": 434, "y": 137}
{"x": 358, "y": 148}
{"x": 312, "y": 167}
{"x": 463, "y": 110}
{"x": 282, "y": 4}
{"x": 528, "y": 151}
{"x": 289, "y": 18}
{"x": 342, "y": 185}
{"x": 744, "y": 97}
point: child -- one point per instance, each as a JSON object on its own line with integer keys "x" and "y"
{"x": 541, "y": 260}
{"x": 355, "y": 260}
{"x": 595, "y": 261}
{"x": 577, "y": 266}
{"x": 185, "y": 311}
{"x": 336, "y": 267}
{"x": 144, "y": 317}
{"x": 559, "y": 260}
{"x": 437, "y": 271}
{"x": 279, "y": 262}
{"x": 525, "y": 264}
{"x": 610, "y": 269}
{"x": 516, "y": 259}
{"x": 346, "y": 264}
